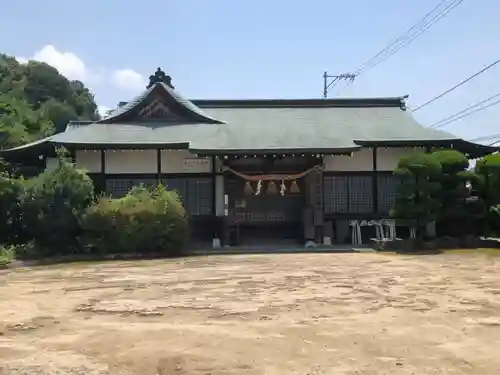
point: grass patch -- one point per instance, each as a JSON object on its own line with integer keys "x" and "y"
{"x": 7, "y": 255}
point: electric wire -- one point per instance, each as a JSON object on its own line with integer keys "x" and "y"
{"x": 466, "y": 112}
{"x": 457, "y": 85}
{"x": 486, "y": 137}
{"x": 404, "y": 40}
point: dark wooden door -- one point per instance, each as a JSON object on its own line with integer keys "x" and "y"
{"x": 267, "y": 217}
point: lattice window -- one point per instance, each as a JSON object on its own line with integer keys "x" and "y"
{"x": 360, "y": 194}
{"x": 387, "y": 191}
{"x": 336, "y": 194}
{"x": 146, "y": 182}
{"x": 195, "y": 193}
{"x": 177, "y": 184}
{"x": 119, "y": 187}
{"x": 199, "y": 193}
{"x": 348, "y": 194}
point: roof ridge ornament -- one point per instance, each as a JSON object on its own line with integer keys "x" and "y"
{"x": 160, "y": 77}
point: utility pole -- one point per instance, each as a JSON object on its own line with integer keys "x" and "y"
{"x": 334, "y": 79}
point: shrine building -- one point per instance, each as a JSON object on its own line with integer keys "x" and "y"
{"x": 254, "y": 170}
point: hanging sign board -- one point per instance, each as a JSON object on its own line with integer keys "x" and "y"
{"x": 196, "y": 164}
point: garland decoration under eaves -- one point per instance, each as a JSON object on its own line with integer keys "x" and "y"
{"x": 271, "y": 186}
{"x": 273, "y": 177}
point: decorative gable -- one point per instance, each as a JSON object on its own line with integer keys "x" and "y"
{"x": 160, "y": 103}
{"x": 157, "y": 109}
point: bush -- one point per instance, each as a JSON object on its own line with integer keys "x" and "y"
{"x": 11, "y": 192}
{"x": 53, "y": 205}
{"x": 141, "y": 222}
{"x": 7, "y": 255}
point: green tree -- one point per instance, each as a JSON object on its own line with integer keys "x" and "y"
{"x": 36, "y": 101}
{"x": 488, "y": 187}
{"x": 417, "y": 202}
{"x": 19, "y": 123}
{"x": 488, "y": 169}
{"x": 455, "y": 217}
{"x": 11, "y": 192}
{"x": 52, "y": 208}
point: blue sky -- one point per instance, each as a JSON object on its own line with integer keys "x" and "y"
{"x": 265, "y": 49}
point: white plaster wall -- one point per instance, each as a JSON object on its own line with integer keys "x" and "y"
{"x": 182, "y": 161}
{"x": 130, "y": 161}
{"x": 89, "y": 160}
{"x": 51, "y": 164}
{"x": 142, "y": 161}
{"x": 359, "y": 161}
{"x": 388, "y": 158}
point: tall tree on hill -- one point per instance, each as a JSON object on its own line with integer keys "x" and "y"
{"x": 36, "y": 101}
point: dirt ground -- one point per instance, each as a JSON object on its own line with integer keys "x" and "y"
{"x": 305, "y": 314}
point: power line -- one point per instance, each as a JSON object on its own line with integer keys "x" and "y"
{"x": 465, "y": 112}
{"x": 457, "y": 85}
{"x": 405, "y": 39}
{"x": 401, "y": 37}
{"x": 426, "y": 22}
{"x": 486, "y": 137}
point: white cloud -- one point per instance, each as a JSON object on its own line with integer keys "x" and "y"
{"x": 128, "y": 79}
{"x": 103, "y": 110}
{"x": 73, "y": 67}
{"x": 67, "y": 63}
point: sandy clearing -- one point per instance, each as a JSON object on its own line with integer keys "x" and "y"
{"x": 255, "y": 314}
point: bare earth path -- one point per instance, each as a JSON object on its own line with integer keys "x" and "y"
{"x": 255, "y": 314}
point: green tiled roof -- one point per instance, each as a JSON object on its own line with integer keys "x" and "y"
{"x": 267, "y": 125}
{"x": 255, "y": 125}
{"x": 147, "y": 133}
{"x": 318, "y": 125}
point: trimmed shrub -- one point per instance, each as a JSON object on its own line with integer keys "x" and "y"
{"x": 142, "y": 222}
{"x": 52, "y": 208}
{"x": 456, "y": 216}
{"x": 416, "y": 201}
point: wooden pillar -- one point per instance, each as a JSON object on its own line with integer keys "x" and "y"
{"x": 102, "y": 180}
{"x": 225, "y": 221}
{"x": 487, "y": 203}
{"x": 313, "y": 219}
{"x": 375, "y": 179}
{"x": 215, "y": 221}
{"x": 72, "y": 154}
{"x": 158, "y": 166}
